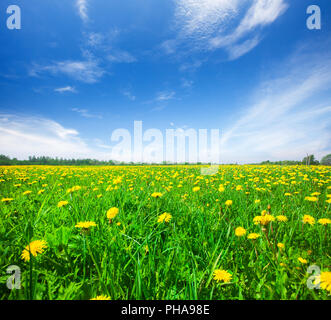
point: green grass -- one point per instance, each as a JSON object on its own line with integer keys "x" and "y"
{"x": 182, "y": 254}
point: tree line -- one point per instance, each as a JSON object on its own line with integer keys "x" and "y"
{"x": 33, "y": 160}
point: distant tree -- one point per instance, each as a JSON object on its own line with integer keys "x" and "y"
{"x": 310, "y": 160}
{"x": 326, "y": 161}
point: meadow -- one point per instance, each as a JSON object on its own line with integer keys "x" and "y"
{"x": 166, "y": 232}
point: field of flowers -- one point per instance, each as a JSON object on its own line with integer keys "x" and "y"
{"x": 166, "y": 232}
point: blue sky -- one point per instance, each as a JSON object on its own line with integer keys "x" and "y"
{"x": 79, "y": 69}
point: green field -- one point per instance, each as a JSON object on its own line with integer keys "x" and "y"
{"x": 174, "y": 236}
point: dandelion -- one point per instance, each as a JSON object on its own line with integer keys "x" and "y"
{"x": 281, "y": 218}
{"x": 280, "y": 245}
{"x": 196, "y": 189}
{"x": 33, "y": 248}
{"x": 85, "y": 225}
{"x": 264, "y": 219}
{"x": 311, "y": 199}
{"x": 228, "y": 203}
{"x": 303, "y": 261}
{"x": 257, "y": 201}
{"x": 253, "y": 236}
{"x": 156, "y": 195}
{"x": 62, "y": 204}
{"x": 102, "y": 297}
{"x": 240, "y": 231}
{"x": 165, "y": 217}
{"x": 6, "y": 200}
{"x": 324, "y": 280}
{"x": 222, "y": 275}
{"x": 112, "y": 213}
{"x": 324, "y": 221}
{"x": 221, "y": 188}
{"x": 308, "y": 219}
{"x": 26, "y": 192}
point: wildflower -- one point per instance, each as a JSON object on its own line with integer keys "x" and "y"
{"x": 328, "y": 201}
{"x": 62, "y": 203}
{"x": 311, "y": 199}
{"x": 253, "y": 236}
{"x": 41, "y": 191}
{"x": 73, "y": 189}
{"x": 6, "y": 200}
{"x": 281, "y": 218}
{"x": 280, "y": 245}
{"x": 165, "y": 217}
{"x": 257, "y": 201}
{"x": 112, "y": 213}
{"x": 27, "y": 192}
{"x": 240, "y": 231}
{"x": 85, "y": 225}
{"x": 308, "y": 219}
{"x": 221, "y": 188}
{"x": 196, "y": 189}
{"x": 222, "y": 275}
{"x": 303, "y": 261}
{"x": 324, "y": 221}
{"x": 324, "y": 280}
{"x": 264, "y": 219}
{"x": 156, "y": 195}
{"x": 315, "y": 194}
{"x": 228, "y": 203}
{"x": 34, "y": 248}
{"x": 287, "y": 194}
{"x": 102, "y": 297}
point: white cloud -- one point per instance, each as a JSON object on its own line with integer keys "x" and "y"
{"x": 65, "y": 89}
{"x": 129, "y": 95}
{"x": 87, "y": 71}
{"x": 120, "y": 56}
{"x": 165, "y": 95}
{"x": 209, "y": 24}
{"x": 23, "y": 136}
{"x": 86, "y": 114}
{"x": 82, "y": 9}
{"x": 287, "y": 117}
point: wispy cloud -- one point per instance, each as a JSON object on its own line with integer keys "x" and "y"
{"x": 129, "y": 95}
{"x": 65, "y": 89}
{"x": 23, "y": 136}
{"x": 87, "y": 71}
{"x": 165, "y": 95}
{"x": 287, "y": 117}
{"x": 121, "y": 56}
{"x": 86, "y": 114}
{"x": 209, "y": 24}
{"x": 82, "y": 9}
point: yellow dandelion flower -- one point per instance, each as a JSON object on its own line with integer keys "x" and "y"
{"x": 263, "y": 220}
{"x": 222, "y": 275}
{"x": 33, "y": 248}
{"x": 311, "y": 199}
{"x": 228, "y": 203}
{"x": 102, "y": 297}
{"x": 62, "y": 204}
{"x": 308, "y": 219}
{"x": 253, "y": 236}
{"x": 303, "y": 261}
{"x": 6, "y": 200}
{"x": 112, "y": 213}
{"x": 281, "y": 218}
{"x": 156, "y": 195}
{"x": 324, "y": 221}
{"x": 324, "y": 280}
{"x": 165, "y": 217}
{"x": 280, "y": 245}
{"x": 27, "y": 192}
{"x": 196, "y": 189}
{"x": 257, "y": 201}
{"x": 221, "y": 188}
{"x": 85, "y": 224}
{"x": 240, "y": 231}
